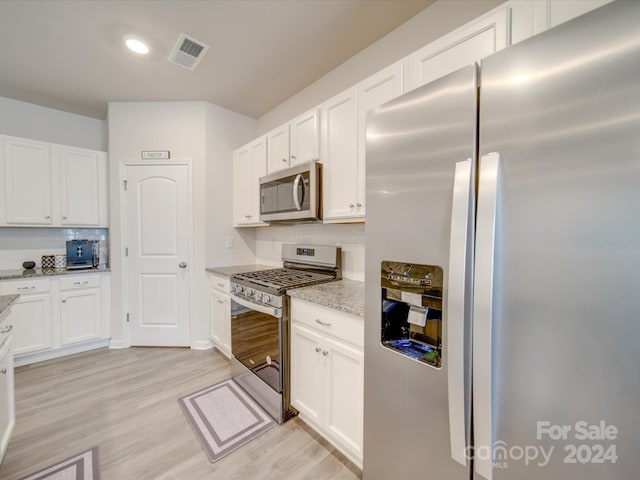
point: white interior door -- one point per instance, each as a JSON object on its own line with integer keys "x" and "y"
{"x": 158, "y": 241}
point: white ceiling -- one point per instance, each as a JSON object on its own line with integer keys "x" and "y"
{"x": 68, "y": 54}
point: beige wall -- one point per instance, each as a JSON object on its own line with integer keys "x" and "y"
{"x": 205, "y": 134}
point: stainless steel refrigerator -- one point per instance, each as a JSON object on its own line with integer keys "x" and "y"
{"x": 502, "y": 328}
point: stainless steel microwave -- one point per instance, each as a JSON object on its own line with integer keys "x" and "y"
{"x": 292, "y": 195}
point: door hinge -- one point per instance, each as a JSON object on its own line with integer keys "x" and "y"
{"x": 124, "y": 184}
{"x": 127, "y": 317}
{"x": 126, "y": 251}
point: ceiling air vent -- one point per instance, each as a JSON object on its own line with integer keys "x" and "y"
{"x": 188, "y": 52}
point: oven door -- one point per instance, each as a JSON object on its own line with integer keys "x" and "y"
{"x": 256, "y": 338}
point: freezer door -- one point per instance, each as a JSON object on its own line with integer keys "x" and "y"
{"x": 421, "y": 162}
{"x": 557, "y": 311}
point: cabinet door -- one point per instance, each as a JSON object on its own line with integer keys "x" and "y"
{"x": 307, "y": 372}
{"x": 31, "y": 320}
{"x": 340, "y": 156}
{"x": 7, "y": 406}
{"x": 27, "y": 182}
{"x": 466, "y": 45}
{"x": 380, "y": 88}
{"x": 241, "y": 183}
{"x": 80, "y": 315}
{"x": 80, "y": 186}
{"x": 258, "y": 164}
{"x": 278, "y": 149}
{"x": 305, "y": 138}
{"x": 220, "y": 323}
{"x": 344, "y": 394}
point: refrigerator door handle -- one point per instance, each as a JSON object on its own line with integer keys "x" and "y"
{"x": 456, "y": 302}
{"x": 488, "y": 198}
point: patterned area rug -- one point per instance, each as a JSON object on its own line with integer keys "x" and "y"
{"x": 224, "y": 418}
{"x": 83, "y": 466}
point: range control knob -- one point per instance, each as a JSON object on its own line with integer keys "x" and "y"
{"x": 258, "y": 296}
{"x": 248, "y": 292}
{"x": 266, "y": 298}
{"x": 238, "y": 289}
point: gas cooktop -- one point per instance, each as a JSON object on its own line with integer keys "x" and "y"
{"x": 278, "y": 280}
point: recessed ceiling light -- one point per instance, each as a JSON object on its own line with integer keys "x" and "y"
{"x": 136, "y": 44}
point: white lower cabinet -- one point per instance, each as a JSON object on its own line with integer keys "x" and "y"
{"x": 59, "y": 315}
{"x": 220, "y": 314}
{"x": 327, "y": 371}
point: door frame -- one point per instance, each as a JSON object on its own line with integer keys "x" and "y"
{"x": 124, "y": 259}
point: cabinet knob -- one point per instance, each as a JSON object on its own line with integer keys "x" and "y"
{"x": 7, "y": 329}
{"x": 47, "y": 217}
{"x": 351, "y": 205}
{"x": 325, "y": 353}
{"x": 358, "y": 204}
{"x": 3, "y": 371}
{"x": 64, "y": 217}
{"x": 64, "y": 301}
{"x": 284, "y": 160}
{"x": 182, "y": 264}
{"x": 318, "y": 349}
{"x": 293, "y": 157}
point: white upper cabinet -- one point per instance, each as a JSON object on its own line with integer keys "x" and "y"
{"x": 27, "y": 182}
{"x": 52, "y": 185}
{"x": 340, "y": 157}
{"x": 470, "y": 43}
{"x": 295, "y": 142}
{"x": 249, "y": 164}
{"x": 82, "y": 187}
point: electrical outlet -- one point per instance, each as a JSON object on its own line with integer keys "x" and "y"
{"x": 229, "y": 242}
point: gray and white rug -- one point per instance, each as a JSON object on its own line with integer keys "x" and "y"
{"x": 224, "y": 418}
{"x": 83, "y": 466}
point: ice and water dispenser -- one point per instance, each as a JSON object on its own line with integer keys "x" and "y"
{"x": 412, "y": 311}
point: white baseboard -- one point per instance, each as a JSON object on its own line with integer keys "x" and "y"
{"x": 28, "y": 358}
{"x": 117, "y": 344}
{"x": 202, "y": 345}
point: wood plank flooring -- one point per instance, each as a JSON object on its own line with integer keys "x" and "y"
{"x": 125, "y": 402}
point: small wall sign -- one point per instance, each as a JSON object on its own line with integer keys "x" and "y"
{"x": 155, "y": 155}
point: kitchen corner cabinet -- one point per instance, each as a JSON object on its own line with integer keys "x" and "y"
{"x": 220, "y": 314}
{"x": 327, "y": 372}
{"x": 249, "y": 164}
{"x": 51, "y": 185}
{"x": 295, "y": 142}
{"x": 468, "y": 44}
{"x": 59, "y": 315}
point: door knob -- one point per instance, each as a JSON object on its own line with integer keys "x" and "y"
{"x": 182, "y": 265}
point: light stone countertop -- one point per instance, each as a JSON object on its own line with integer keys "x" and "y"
{"x": 343, "y": 295}
{"x": 233, "y": 269}
{"x": 5, "y": 302}
{"x": 48, "y": 272}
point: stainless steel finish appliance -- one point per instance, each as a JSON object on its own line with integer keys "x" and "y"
{"x": 540, "y": 306}
{"x": 260, "y": 320}
{"x": 292, "y": 195}
{"x": 82, "y": 254}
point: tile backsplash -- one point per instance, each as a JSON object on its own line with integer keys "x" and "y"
{"x": 350, "y": 237}
{"x": 18, "y": 244}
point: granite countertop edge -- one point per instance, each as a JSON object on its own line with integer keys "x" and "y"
{"x": 38, "y": 272}
{"x": 343, "y": 295}
{"x": 229, "y": 270}
{"x": 6, "y": 301}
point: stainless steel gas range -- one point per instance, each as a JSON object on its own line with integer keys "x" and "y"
{"x": 260, "y": 318}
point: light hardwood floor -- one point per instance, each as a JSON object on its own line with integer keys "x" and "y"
{"x": 125, "y": 403}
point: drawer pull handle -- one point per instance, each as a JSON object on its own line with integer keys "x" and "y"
{"x": 325, "y": 324}
{"x": 3, "y": 371}
{"x": 221, "y": 284}
{"x": 81, "y": 283}
{"x": 325, "y": 353}
{"x": 31, "y": 287}
{"x": 318, "y": 349}
{"x": 7, "y": 329}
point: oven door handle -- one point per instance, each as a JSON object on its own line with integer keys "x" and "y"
{"x": 273, "y": 311}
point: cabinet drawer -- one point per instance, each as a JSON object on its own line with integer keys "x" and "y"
{"x": 219, "y": 282}
{"x": 343, "y": 326}
{"x": 80, "y": 281}
{"x": 9, "y": 287}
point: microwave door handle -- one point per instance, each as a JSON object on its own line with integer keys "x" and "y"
{"x": 296, "y": 199}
